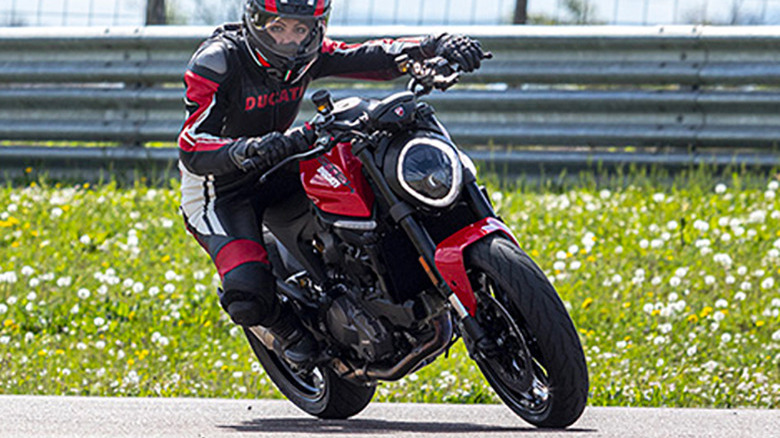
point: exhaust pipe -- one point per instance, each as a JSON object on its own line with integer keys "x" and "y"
{"x": 434, "y": 347}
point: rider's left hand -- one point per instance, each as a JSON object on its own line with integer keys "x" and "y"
{"x": 460, "y": 49}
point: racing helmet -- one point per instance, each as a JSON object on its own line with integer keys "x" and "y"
{"x": 285, "y": 58}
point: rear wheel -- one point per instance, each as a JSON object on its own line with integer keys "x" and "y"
{"x": 538, "y": 367}
{"x": 319, "y": 392}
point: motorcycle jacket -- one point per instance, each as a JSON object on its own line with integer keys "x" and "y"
{"x": 230, "y": 96}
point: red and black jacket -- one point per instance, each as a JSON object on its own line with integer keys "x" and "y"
{"x": 230, "y": 95}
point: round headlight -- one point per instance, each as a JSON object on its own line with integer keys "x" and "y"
{"x": 430, "y": 170}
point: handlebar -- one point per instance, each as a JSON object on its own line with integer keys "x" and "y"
{"x": 426, "y": 75}
{"x": 429, "y": 74}
{"x": 336, "y": 131}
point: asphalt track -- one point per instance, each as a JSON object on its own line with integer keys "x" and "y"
{"x": 27, "y": 416}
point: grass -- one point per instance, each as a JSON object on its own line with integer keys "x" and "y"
{"x": 674, "y": 287}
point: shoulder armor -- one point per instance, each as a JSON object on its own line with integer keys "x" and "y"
{"x": 213, "y": 57}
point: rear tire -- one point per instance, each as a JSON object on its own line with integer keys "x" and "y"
{"x": 321, "y": 393}
{"x": 558, "y": 361}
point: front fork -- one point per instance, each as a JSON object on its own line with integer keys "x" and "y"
{"x": 444, "y": 263}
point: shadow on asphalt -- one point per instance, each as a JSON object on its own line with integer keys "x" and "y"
{"x": 363, "y": 426}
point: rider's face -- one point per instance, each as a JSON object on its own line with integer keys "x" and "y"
{"x": 286, "y": 31}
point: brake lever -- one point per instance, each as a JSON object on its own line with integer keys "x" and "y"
{"x": 303, "y": 156}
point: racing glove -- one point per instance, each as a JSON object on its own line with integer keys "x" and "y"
{"x": 262, "y": 153}
{"x": 460, "y": 49}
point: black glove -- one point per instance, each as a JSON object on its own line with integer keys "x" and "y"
{"x": 262, "y": 153}
{"x": 304, "y": 136}
{"x": 460, "y": 49}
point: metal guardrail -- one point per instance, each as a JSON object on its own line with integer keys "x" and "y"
{"x": 678, "y": 86}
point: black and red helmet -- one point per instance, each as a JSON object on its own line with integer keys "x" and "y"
{"x": 286, "y": 60}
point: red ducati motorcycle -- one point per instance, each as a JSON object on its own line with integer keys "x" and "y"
{"x": 399, "y": 255}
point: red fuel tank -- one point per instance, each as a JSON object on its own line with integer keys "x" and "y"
{"x": 336, "y": 184}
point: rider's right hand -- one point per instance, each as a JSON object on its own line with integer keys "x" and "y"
{"x": 262, "y": 153}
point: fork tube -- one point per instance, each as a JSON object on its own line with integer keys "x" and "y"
{"x": 417, "y": 234}
{"x": 422, "y": 242}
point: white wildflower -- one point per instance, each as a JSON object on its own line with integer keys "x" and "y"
{"x": 723, "y": 259}
{"x": 720, "y": 189}
{"x": 83, "y": 293}
{"x": 757, "y": 217}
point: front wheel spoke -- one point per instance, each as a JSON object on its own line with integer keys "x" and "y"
{"x": 516, "y": 366}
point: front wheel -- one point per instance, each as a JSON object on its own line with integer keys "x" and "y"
{"x": 320, "y": 392}
{"x": 538, "y": 366}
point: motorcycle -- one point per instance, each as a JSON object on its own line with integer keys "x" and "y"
{"x": 399, "y": 255}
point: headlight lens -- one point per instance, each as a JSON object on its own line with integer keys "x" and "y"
{"x": 430, "y": 170}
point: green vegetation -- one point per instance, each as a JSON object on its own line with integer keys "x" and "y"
{"x": 674, "y": 287}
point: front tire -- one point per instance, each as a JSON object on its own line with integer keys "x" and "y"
{"x": 320, "y": 393}
{"x": 515, "y": 298}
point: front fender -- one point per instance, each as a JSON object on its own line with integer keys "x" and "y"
{"x": 449, "y": 257}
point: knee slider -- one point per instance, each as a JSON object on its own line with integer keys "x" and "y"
{"x": 249, "y": 308}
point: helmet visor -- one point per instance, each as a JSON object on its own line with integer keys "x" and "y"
{"x": 289, "y": 37}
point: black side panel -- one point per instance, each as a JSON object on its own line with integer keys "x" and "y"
{"x": 406, "y": 277}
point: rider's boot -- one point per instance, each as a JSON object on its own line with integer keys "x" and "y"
{"x": 292, "y": 339}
